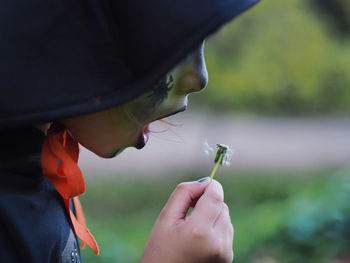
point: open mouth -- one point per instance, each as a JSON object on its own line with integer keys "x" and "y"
{"x": 144, "y": 136}
{"x": 143, "y": 139}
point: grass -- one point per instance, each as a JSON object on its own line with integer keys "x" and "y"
{"x": 121, "y": 211}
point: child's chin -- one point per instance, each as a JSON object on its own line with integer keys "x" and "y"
{"x": 114, "y": 154}
{"x": 109, "y": 155}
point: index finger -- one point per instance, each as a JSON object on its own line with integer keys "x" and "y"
{"x": 209, "y": 205}
{"x": 182, "y": 198}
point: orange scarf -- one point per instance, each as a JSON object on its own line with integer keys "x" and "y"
{"x": 59, "y": 164}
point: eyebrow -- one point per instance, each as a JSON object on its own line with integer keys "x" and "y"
{"x": 161, "y": 89}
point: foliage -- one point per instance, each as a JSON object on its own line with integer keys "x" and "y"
{"x": 285, "y": 217}
{"x": 337, "y": 14}
{"x": 316, "y": 227}
{"x": 281, "y": 57}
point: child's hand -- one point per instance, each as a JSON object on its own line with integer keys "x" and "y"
{"x": 206, "y": 235}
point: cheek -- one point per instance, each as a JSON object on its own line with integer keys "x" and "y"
{"x": 103, "y": 133}
{"x": 107, "y": 144}
{"x": 140, "y": 113}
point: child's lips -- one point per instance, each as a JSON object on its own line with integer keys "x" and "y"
{"x": 146, "y": 133}
{"x": 144, "y": 136}
{"x": 143, "y": 139}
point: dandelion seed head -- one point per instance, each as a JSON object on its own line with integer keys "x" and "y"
{"x": 226, "y": 163}
{"x": 223, "y": 146}
{"x": 223, "y": 154}
{"x": 222, "y": 157}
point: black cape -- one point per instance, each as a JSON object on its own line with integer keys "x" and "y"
{"x": 63, "y": 58}
{"x": 34, "y": 222}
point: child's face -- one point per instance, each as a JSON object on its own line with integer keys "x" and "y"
{"x": 108, "y": 132}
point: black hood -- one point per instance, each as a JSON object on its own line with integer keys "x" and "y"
{"x": 63, "y": 58}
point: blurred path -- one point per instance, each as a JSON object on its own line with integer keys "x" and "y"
{"x": 259, "y": 143}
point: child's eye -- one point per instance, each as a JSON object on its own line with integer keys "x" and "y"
{"x": 161, "y": 89}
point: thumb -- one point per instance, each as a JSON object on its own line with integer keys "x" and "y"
{"x": 181, "y": 199}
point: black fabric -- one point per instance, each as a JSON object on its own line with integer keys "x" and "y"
{"x": 62, "y": 58}
{"x": 34, "y": 224}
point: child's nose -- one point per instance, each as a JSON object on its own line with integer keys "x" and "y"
{"x": 195, "y": 81}
{"x": 198, "y": 77}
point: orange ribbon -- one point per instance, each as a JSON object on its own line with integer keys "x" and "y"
{"x": 59, "y": 164}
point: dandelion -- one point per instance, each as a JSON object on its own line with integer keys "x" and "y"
{"x": 222, "y": 157}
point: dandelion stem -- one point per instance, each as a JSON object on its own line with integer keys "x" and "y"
{"x": 216, "y": 167}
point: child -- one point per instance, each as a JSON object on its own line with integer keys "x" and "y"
{"x": 97, "y": 73}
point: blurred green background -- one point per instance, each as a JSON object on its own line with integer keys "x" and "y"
{"x": 278, "y": 217}
{"x": 282, "y": 58}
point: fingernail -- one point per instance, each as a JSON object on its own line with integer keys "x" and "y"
{"x": 203, "y": 179}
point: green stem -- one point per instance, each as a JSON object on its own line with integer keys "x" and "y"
{"x": 216, "y": 167}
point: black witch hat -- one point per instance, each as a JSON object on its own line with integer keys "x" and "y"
{"x": 63, "y": 58}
